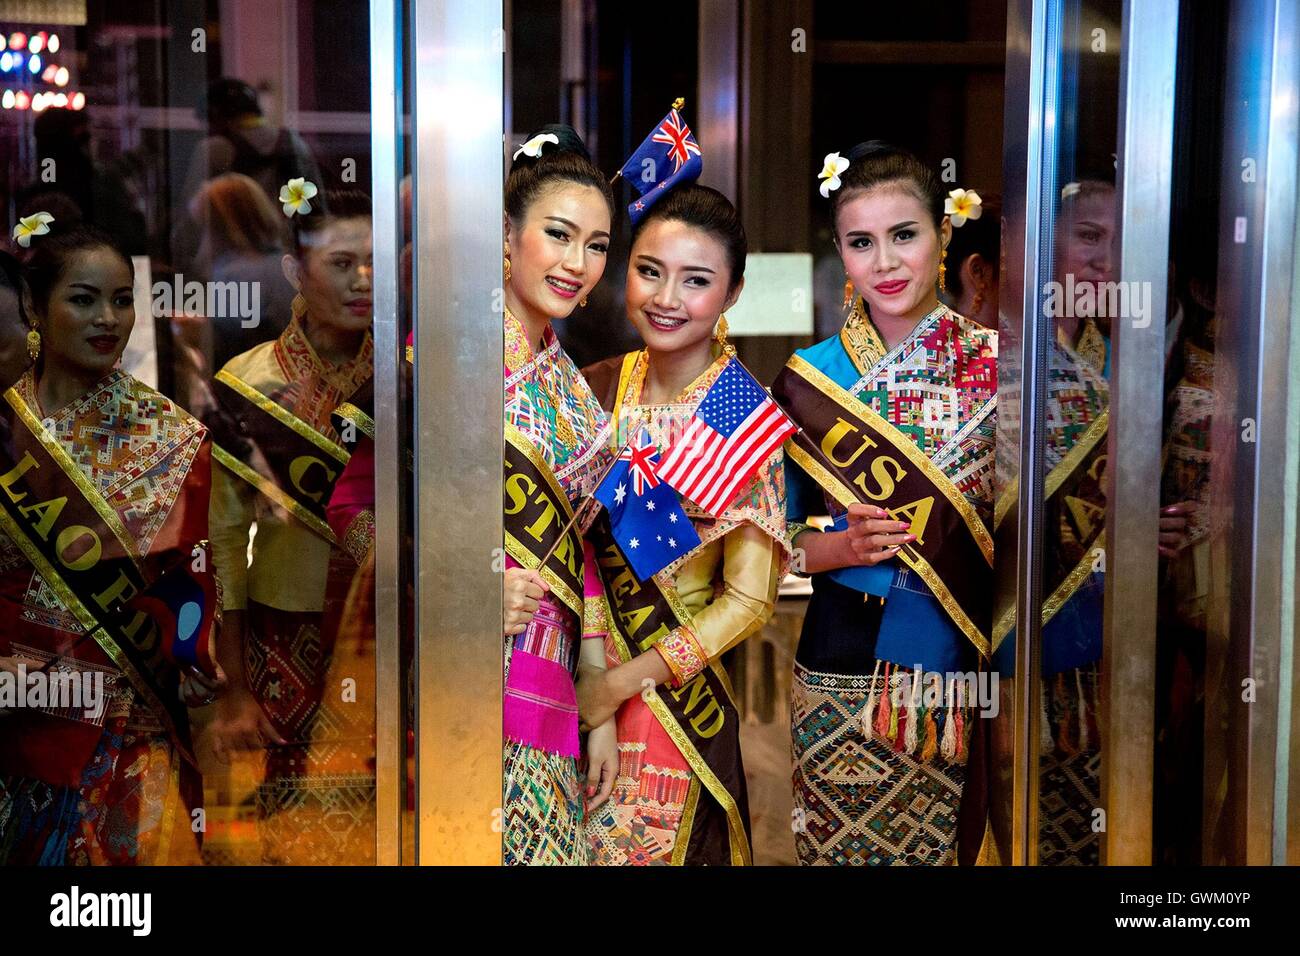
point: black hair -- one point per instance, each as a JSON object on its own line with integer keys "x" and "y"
{"x": 982, "y": 237}
{"x": 565, "y": 161}
{"x": 327, "y": 206}
{"x": 876, "y": 163}
{"x": 49, "y": 255}
{"x": 229, "y": 98}
{"x": 707, "y": 209}
{"x": 11, "y": 276}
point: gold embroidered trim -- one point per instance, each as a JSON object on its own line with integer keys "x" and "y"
{"x": 85, "y": 618}
{"x": 360, "y": 535}
{"x": 283, "y": 416}
{"x": 740, "y": 852}
{"x": 1064, "y": 468}
{"x": 516, "y": 548}
{"x": 687, "y": 824}
{"x": 861, "y": 340}
{"x": 917, "y": 457}
{"x": 272, "y": 491}
{"x": 74, "y": 474}
{"x": 349, "y": 412}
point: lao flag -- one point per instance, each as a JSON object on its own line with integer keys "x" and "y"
{"x": 183, "y": 602}
{"x": 731, "y": 434}
{"x": 668, "y": 156}
{"x": 645, "y": 515}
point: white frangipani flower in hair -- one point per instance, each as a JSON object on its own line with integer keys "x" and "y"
{"x": 963, "y": 204}
{"x": 294, "y": 195}
{"x": 534, "y": 146}
{"x": 832, "y": 167}
{"x": 37, "y": 224}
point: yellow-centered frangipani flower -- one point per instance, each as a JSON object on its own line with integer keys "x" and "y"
{"x": 963, "y": 204}
{"x": 294, "y": 195}
{"x": 832, "y": 166}
{"x": 534, "y": 146}
{"x": 37, "y": 224}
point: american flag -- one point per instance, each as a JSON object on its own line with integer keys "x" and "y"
{"x": 731, "y": 434}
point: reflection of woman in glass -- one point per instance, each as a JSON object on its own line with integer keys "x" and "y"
{"x": 118, "y": 477}
{"x": 242, "y": 240}
{"x": 280, "y": 456}
{"x": 558, "y": 213}
{"x": 973, "y": 262}
{"x": 686, "y": 268}
{"x": 881, "y": 729}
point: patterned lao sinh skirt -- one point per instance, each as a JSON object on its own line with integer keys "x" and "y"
{"x": 878, "y": 775}
{"x": 862, "y": 800}
{"x": 542, "y": 793}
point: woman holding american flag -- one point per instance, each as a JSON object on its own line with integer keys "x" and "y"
{"x": 705, "y": 492}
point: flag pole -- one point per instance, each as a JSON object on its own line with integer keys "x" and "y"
{"x": 677, "y": 104}
{"x": 581, "y": 509}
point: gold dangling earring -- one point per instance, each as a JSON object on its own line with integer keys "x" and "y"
{"x": 34, "y": 344}
{"x": 720, "y": 334}
{"x": 848, "y": 291}
{"x": 298, "y": 306}
{"x": 505, "y": 263}
{"x": 582, "y": 304}
{"x": 943, "y": 271}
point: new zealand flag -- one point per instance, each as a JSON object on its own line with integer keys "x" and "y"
{"x": 668, "y": 156}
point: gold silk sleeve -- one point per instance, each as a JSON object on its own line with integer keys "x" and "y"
{"x": 751, "y": 567}
{"x": 231, "y": 512}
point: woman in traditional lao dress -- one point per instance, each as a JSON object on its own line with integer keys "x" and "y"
{"x": 114, "y": 781}
{"x": 558, "y": 213}
{"x": 880, "y": 743}
{"x": 279, "y": 456}
{"x": 671, "y": 805}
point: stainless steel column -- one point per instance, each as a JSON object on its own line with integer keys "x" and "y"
{"x": 1145, "y": 150}
{"x": 386, "y": 61}
{"x": 1033, "y": 80}
{"x": 458, "y": 136}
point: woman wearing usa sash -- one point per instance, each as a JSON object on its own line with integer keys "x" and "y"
{"x": 559, "y": 210}
{"x": 279, "y": 457}
{"x": 897, "y": 414}
{"x": 105, "y": 489}
{"x": 680, "y": 791}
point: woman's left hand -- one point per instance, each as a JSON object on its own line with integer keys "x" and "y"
{"x": 602, "y": 763}
{"x": 597, "y": 700}
{"x": 1175, "y": 527}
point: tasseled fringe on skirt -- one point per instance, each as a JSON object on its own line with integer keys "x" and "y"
{"x": 1069, "y": 712}
{"x": 896, "y": 713}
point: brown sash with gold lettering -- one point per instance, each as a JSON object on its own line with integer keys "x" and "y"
{"x": 1074, "y": 521}
{"x": 79, "y": 546}
{"x": 857, "y": 456}
{"x": 536, "y": 511}
{"x": 700, "y": 717}
{"x": 287, "y": 460}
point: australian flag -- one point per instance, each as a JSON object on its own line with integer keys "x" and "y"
{"x": 668, "y": 156}
{"x": 183, "y": 603}
{"x": 645, "y": 514}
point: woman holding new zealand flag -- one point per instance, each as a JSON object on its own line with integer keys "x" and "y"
{"x": 103, "y": 507}
{"x": 897, "y": 414}
{"x": 693, "y": 543}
